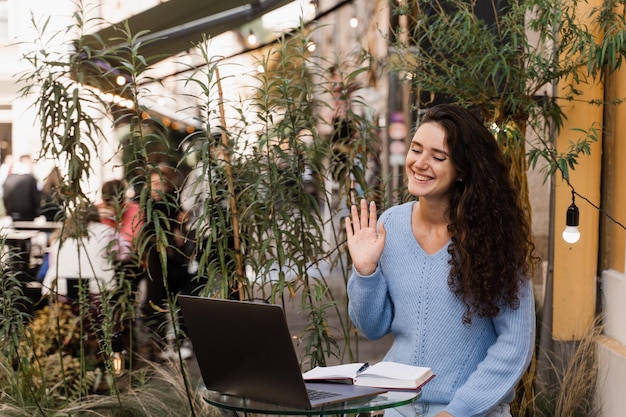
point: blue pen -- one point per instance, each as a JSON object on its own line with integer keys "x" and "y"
{"x": 363, "y": 368}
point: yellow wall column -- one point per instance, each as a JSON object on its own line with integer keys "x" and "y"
{"x": 575, "y": 265}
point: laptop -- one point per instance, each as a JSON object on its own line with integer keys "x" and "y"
{"x": 245, "y": 349}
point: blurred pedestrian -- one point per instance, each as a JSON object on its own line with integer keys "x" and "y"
{"x": 50, "y": 197}
{"x": 206, "y": 201}
{"x": 165, "y": 258}
{"x": 5, "y": 169}
{"x": 119, "y": 212}
{"x": 21, "y": 197}
{"x": 85, "y": 250}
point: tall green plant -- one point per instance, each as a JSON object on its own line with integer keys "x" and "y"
{"x": 14, "y": 316}
{"x": 69, "y": 118}
{"x": 72, "y": 111}
{"x": 258, "y": 204}
{"x": 257, "y": 232}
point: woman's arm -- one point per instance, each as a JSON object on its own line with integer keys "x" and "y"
{"x": 369, "y": 305}
{"x": 506, "y": 361}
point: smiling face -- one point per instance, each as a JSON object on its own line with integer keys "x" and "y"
{"x": 160, "y": 185}
{"x": 429, "y": 168}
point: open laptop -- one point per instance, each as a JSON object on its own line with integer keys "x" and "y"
{"x": 245, "y": 349}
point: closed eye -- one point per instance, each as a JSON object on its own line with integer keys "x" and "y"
{"x": 437, "y": 155}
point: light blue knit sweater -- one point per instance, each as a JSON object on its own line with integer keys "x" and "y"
{"x": 476, "y": 365}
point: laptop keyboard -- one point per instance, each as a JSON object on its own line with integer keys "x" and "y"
{"x": 315, "y": 394}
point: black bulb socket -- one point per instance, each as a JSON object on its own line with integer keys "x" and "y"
{"x": 117, "y": 343}
{"x": 572, "y": 215}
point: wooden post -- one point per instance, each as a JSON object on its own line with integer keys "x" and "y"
{"x": 576, "y": 265}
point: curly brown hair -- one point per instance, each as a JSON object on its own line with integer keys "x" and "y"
{"x": 492, "y": 250}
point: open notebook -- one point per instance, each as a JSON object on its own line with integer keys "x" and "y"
{"x": 245, "y": 349}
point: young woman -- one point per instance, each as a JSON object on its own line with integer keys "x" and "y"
{"x": 448, "y": 274}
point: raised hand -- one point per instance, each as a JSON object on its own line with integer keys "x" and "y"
{"x": 365, "y": 244}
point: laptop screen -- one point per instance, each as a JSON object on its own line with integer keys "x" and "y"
{"x": 245, "y": 349}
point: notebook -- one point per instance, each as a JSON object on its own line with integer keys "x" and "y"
{"x": 245, "y": 349}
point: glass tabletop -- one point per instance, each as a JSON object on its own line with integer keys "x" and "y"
{"x": 389, "y": 399}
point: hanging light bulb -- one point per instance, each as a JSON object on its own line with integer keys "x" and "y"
{"x": 354, "y": 22}
{"x": 252, "y": 40}
{"x": 117, "y": 356}
{"x": 571, "y": 233}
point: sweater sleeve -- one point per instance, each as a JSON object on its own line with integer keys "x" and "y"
{"x": 369, "y": 305}
{"x": 495, "y": 377}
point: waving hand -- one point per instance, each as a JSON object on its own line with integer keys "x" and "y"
{"x": 365, "y": 244}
